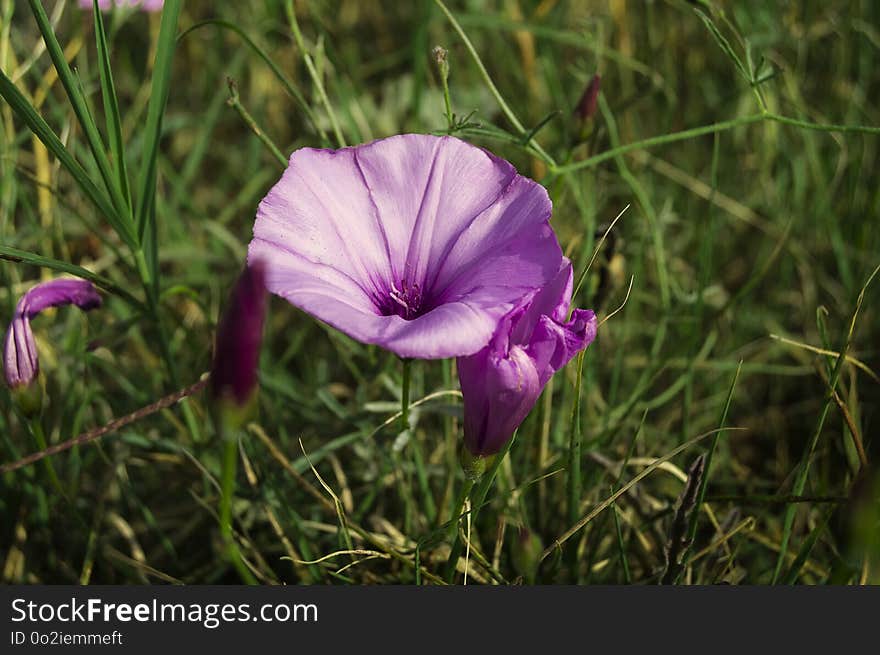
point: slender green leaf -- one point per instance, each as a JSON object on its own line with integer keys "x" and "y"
{"x": 24, "y": 257}
{"x": 26, "y": 112}
{"x": 146, "y": 188}
{"x": 704, "y": 481}
{"x": 803, "y": 469}
{"x": 794, "y": 571}
{"x": 80, "y": 108}
{"x": 111, "y": 106}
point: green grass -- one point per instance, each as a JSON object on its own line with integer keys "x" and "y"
{"x": 745, "y": 143}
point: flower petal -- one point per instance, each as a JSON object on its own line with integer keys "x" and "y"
{"x": 427, "y": 190}
{"x": 321, "y": 210}
{"x": 452, "y": 328}
{"x": 58, "y": 292}
{"x": 552, "y": 300}
{"x": 509, "y": 249}
{"x": 20, "y": 363}
{"x": 553, "y": 344}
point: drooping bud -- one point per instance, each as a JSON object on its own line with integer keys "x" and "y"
{"x": 501, "y": 383}
{"x": 21, "y": 365}
{"x": 589, "y": 102}
{"x": 234, "y": 381}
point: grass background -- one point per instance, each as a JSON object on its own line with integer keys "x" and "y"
{"x": 765, "y": 223}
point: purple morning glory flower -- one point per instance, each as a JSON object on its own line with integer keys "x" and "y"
{"x": 501, "y": 383}
{"x": 20, "y": 361}
{"x": 417, "y": 243}
{"x": 239, "y": 335}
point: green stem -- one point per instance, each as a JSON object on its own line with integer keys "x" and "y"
{"x": 40, "y": 439}
{"x": 478, "y": 499}
{"x": 152, "y": 306}
{"x": 704, "y": 483}
{"x": 313, "y": 72}
{"x": 663, "y": 139}
{"x": 227, "y": 490}
{"x": 455, "y": 552}
{"x": 404, "y": 394}
{"x": 447, "y": 100}
{"x": 804, "y": 466}
{"x": 506, "y": 110}
{"x": 574, "y": 449}
{"x": 235, "y": 102}
{"x": 822, "y": 127}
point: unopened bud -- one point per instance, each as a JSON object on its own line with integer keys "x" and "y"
{"x": 20, "y": 363}
{"x": 441, "y": 56}
{"x": 587, "y": 105}
{"x": 525, "y": 552}
{"x": 237, "y": 350}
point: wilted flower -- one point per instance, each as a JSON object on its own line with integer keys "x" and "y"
{"x": 239, "y": 335}
{"x": 20, "y": 362}
{"x": 107, "y": 5}
{"x": 501, "y": 383}
{"x": 417, "y": 243}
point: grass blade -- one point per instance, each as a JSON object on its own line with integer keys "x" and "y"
{"x": 111, "y": 106}
{"x": 792, "y": 574}
{"x": 704, "y": 482}
{"x": 77, "y": 100}
{"x": 313, "y": 73}
{"x": 26, "y": 112}
{"x": 146, "y": 189}
{"x": 804, "y": 467}
{"x": 285, "y": 81}
{"x": 24, "y": 257}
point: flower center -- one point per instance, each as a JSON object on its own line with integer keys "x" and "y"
{"x": 403, "y": 299}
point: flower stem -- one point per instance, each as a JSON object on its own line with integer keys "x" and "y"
{"x": 574, "y": 448}
{"x": 313, "y": 73}
{"x": 478, "y": 499}
{"x": 455, "y": 552}
{"x": 505, "y": 109}
{"x": 658, "y": 141}
{"x": 40, "y": 439}
{"x": 404, "y": 394}
{"x": 234, "y": 101}
{"x": 227, "y": 490}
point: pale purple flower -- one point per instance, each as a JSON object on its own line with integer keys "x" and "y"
{"x": 417, "y": 243}
{"x": 501, "y": 383}
{"x": 239, "y": 335}
{"x": 107, "y": 5}
{"x": 20, "y": 362}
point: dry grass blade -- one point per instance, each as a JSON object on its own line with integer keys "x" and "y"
{"x": 605, "y": 504}
{"x": 112, "y": 426}
{"x": 829, "y": 353}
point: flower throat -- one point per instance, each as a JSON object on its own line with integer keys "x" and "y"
{"x": 404, "y": 299}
